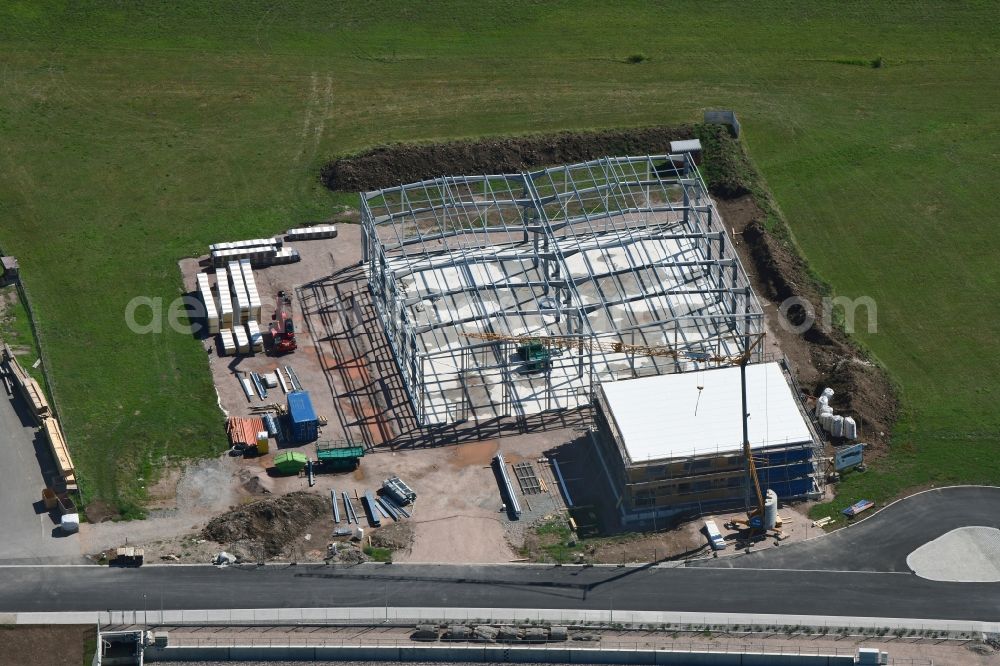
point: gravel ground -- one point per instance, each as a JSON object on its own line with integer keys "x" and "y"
{"x": 965, "y": 555}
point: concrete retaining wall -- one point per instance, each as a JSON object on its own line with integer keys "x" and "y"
{"x": 492, "y": 653}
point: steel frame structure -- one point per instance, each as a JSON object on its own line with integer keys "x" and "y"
{"x": 619, "y": 248}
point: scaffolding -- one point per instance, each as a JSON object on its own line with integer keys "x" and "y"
{"x": 629, "y": 249}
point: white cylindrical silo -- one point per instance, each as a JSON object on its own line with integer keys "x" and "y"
{"x": 770, "y": 510}
{"x": 850, "y": 428}
{"x": 826, "y": 421}
{"x": 828, "y": 392}
{"x": 826, "y": 410}
{"x": 837, "y": 426}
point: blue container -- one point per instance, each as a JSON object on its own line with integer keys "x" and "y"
{"x": 302, "y": 419}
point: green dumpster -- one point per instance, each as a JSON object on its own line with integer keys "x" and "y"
{"x": 290, "y": 462}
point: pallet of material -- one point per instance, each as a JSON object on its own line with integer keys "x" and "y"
{"x": 286, "y": 255}
{"x": 243, "y": 430}
{"x": 239, "y": 288}
{"x": 309, "y": 233}
{"x": 242, "y": 340}
{"x": 225, "y": 299}
{"x": 211, "y": 312}
{"x": 243, "y": 244}
{"x": 256, "y": 337}
{"x": 228, "y": 342}
{"x": 57, "y": 442}
{"x": 256, "y": 308}
{"x": 27, "y": 385}
{"x": 258, "y": 256}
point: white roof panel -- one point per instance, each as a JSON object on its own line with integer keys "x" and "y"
{"x": 657, "y": 416}
{"x": 685, "y": 146}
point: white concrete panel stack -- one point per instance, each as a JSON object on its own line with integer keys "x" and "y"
{"x": 242, "y": 340}
{"x": 211, "y": 312}
{"x": 225, "y": 299}
{"x": 309, "y": 233}
{"x": 261, "y": 251}
{"x": 245, "y": 244}
{"x": 228, "y": 343}
{"x": 256, "y": 339}
{"x": 239, "y": 288}
{"x": 256, "y": 307}
{"x": 286, "y": 255}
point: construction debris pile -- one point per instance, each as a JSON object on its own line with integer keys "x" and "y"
{"x": 274, "y": 522}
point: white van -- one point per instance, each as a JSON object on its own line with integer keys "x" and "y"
{"x": 714, "y": 535}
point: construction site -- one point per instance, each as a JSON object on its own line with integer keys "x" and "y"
{"x": 569, "y": 344}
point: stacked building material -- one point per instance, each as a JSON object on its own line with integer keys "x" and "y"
{"x": 247, "y": 244}
{"x": 309, "y": 233}
{"x": 211, "y": 312}
{"x": 256, "y": 307}
{"x": 225, "y": 300}
{"x": 60, "y": 451}
{"x": 242, "y": 340}
{"x": 228, "y": 342}
{"x": 259, "y": 251}
{"x": 40, "y": 409}
{"x": 243, "y": 430}
{"x": 241, "y": 310}
{"x": 29, "y": 387}
{"x": 256, "y": 337}
{"x": 285, "y": 255}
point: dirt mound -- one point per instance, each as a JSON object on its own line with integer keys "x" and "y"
{"x": 276, "y": 522}
{"x": 387, "y": 166}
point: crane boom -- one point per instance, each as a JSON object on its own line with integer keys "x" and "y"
{"x": 591, "y": 345}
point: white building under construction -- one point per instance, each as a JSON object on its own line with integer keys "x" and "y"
{"x": 627, "y": 250}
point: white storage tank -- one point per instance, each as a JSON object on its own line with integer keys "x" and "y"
{"x": 770, "y": 509}
{"x": 826, "y": 421}
{"x": 837, "y": 426}
{"x": 821, "y": 402}
{"x": 850, "y": 428}
{"x": 828, "y": 392}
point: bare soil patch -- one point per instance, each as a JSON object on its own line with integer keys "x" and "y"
{"x": 60, "y": 645}
{"x": 386, "y": 166}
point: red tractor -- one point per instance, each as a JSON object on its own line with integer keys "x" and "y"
{"x": 282, "y": 327}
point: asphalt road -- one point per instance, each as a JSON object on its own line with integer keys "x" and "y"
{"x": 815, "y": 578}
{"x": 719, "y": 590}
{"x": 882, "y": 542}
{"x": 27, "y": 534}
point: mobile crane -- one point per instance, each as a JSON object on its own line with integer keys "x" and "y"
{"x": 755, "y": 497}
{"x": 282, "y": 326}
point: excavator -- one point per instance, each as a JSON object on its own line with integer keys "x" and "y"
{"x": 282, "y": 327}
{"x": 531, "y": 347}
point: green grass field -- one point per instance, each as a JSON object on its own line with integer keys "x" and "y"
{"x": 134, "y": 134}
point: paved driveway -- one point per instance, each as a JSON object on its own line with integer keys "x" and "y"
{"x": 28, "y": 535}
